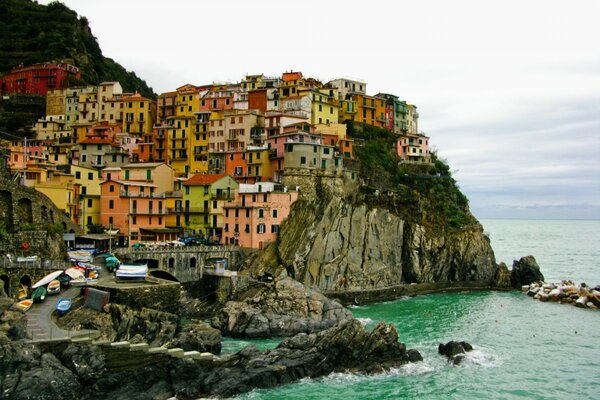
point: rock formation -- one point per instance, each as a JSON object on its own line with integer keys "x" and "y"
{"x": 282, "y": 308}
{"x": 454, "y": 351}
{"x": 77, "y": 371}
{"x": 525, "y": 271}
{"x": 346, "y": 245}
{"x": 567, "y": 292}
{"x": 146, "y": 325}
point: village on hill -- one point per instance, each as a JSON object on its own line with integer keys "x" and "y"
{"x": 207, "y": 163}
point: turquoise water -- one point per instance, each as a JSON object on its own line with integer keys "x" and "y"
{"x": 522, "y": 348}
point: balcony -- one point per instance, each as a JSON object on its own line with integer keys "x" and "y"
{"x": 195, "y": 210}
{"x": 222, "y": 196}
{"x": 272, "y": 154}
{"x": 175, "y": 210}
{"x": 148, "y": 212}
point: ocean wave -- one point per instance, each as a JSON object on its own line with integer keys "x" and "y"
{"x": 482, "y": 357}
{"x": 365, "y": 321}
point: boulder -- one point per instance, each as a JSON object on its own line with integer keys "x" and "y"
{"x": 525, "y": 271}
{"x": 282, "y": 308}
{"x": 453, "y": 350}
{"x": 198, "y": 336}
{"x": 502, "y": 277}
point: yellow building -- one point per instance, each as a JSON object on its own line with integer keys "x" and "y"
{"x": 258, "y": 162}
{"x": 325, "y": 107}
{"x": 139, "y": 114}
{"x": 60, "y": 189}
{"x": 56, "y": 102}
{"x": 199, "y": 144}
{"x": 203, "y": 199}
{"x": 182, "y": 133}
{"x": 88, "y": 200}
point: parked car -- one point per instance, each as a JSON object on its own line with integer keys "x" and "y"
{"x": 192, "y": 240}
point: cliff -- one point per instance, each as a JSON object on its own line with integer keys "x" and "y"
{"x": 381, "y": 232}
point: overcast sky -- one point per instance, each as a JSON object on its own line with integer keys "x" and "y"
{"x": 509, "y": 91}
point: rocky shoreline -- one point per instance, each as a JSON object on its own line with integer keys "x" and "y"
{"x": 567, "y": 292}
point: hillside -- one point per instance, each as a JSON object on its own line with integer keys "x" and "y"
{"x": 31, "y": 33}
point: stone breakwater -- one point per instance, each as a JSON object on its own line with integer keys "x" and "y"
{"x": 567, "y": 292}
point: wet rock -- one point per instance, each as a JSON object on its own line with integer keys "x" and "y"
{"x": 525, "y": 271}
{"x": 198, "y": 336}
{"x": 453, "y": 350}
{"x": 414, "y": 355}
{"x": 283, "y": 308}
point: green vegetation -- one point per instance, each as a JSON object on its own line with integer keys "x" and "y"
{"x": 421, "y": 191}
{"x": 32, "y": 33}
{"x": 95, "y": 228}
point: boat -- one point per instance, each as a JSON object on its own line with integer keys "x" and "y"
{"x": 63, "y": 305}
{"x": 47, "y": 279}
{"x": 53, "y": 287}
{"x": 23, "y": 305}
{"x": 23, "y": 292}
{"x": 81, "y": 255}
{"x": 39, "y": 294}
{"x": 132, "y": 271}
{"x": 84, "y": 282}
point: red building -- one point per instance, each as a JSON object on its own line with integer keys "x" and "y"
{"x": 38, "y": 78}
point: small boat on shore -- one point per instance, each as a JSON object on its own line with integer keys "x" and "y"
{"x": 54, "y": 287}
{"x": 39, "y": 294}
{"x": 23, "y": 292}
{"x": 63, "y": 306}
{"x": 132, "y": 271}
{"x": 47, "y": 279}
{"x": 23, "y": 305}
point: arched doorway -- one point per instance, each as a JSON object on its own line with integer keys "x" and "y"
{"x": 193, "y": 262}
{"x": 24, "y": 212}
{"x": 163, "y": 275}
{"x": 171, "y": 263}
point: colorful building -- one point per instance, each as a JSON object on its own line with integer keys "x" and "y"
{"x": 203, "y": 199}
{"x": 39, "y": 78}
{"x": 253, "y": 219}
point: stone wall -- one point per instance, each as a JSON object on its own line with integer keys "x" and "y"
{"x": 186, "y": 264}
{"x": 27, "y": 215}
{"x": 313, "y": 183}
{"x": 163, "y": 297}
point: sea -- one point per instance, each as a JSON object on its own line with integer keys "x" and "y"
{"x": 523, "y": 348}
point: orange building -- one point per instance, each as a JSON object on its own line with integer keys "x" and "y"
{"x": 253, "y": 219}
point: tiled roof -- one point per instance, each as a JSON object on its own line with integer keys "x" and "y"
{"x": 203, "y": 179}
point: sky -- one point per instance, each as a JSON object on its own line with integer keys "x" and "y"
{"x": 508, "y": 91}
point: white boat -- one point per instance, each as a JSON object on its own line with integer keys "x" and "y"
{"x": 131, "y": 271}
{"x": 47, "y": 279}
{"x": 74, "y": 273}
{"x": 81, "y": 255}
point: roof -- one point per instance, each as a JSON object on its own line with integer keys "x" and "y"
{"x": 204, "y": 179}
{"x": 142, "y": 165}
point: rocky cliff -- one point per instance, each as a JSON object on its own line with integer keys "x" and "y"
{"x": 348, "y": 241}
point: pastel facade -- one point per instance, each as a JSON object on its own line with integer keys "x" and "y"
{"x": 413, "y": 148}
{"x": 253, "y": 220}
{"x": 203, "y": 198}
{"x": 39, "y": 78}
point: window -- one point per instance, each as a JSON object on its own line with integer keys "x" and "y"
{"x": 237, "y": 212}
{"x": 247, "y": 213}
{"x": 274, "y": 228}
{"x": 274, "y": 213}
{"x": 226, "y": 228}
{"x": 261, "y": 213}
{"x": 247, "y": 228}
{"x": 227, "y": 213}
{"x": 134, "y": 220}
{"x": 110, "y": 220}
{"x": 111, "y": 188}
{"x": 77, "y": 175}
{"x": 89, "y": 202}
{"x": 260, "y": 228}
{"x": 187, "y": 190}
{"x": 111, "y": 204}
{"x": 302, "y": 160}
{"x": 90, "y": 176}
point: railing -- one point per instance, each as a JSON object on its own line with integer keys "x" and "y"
{"x": 37, "y": 264}
{"x": 195, "y": 210}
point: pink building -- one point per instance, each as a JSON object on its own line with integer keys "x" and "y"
{"x": 253, "y": 219}
{"x": 413, "y": 148}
